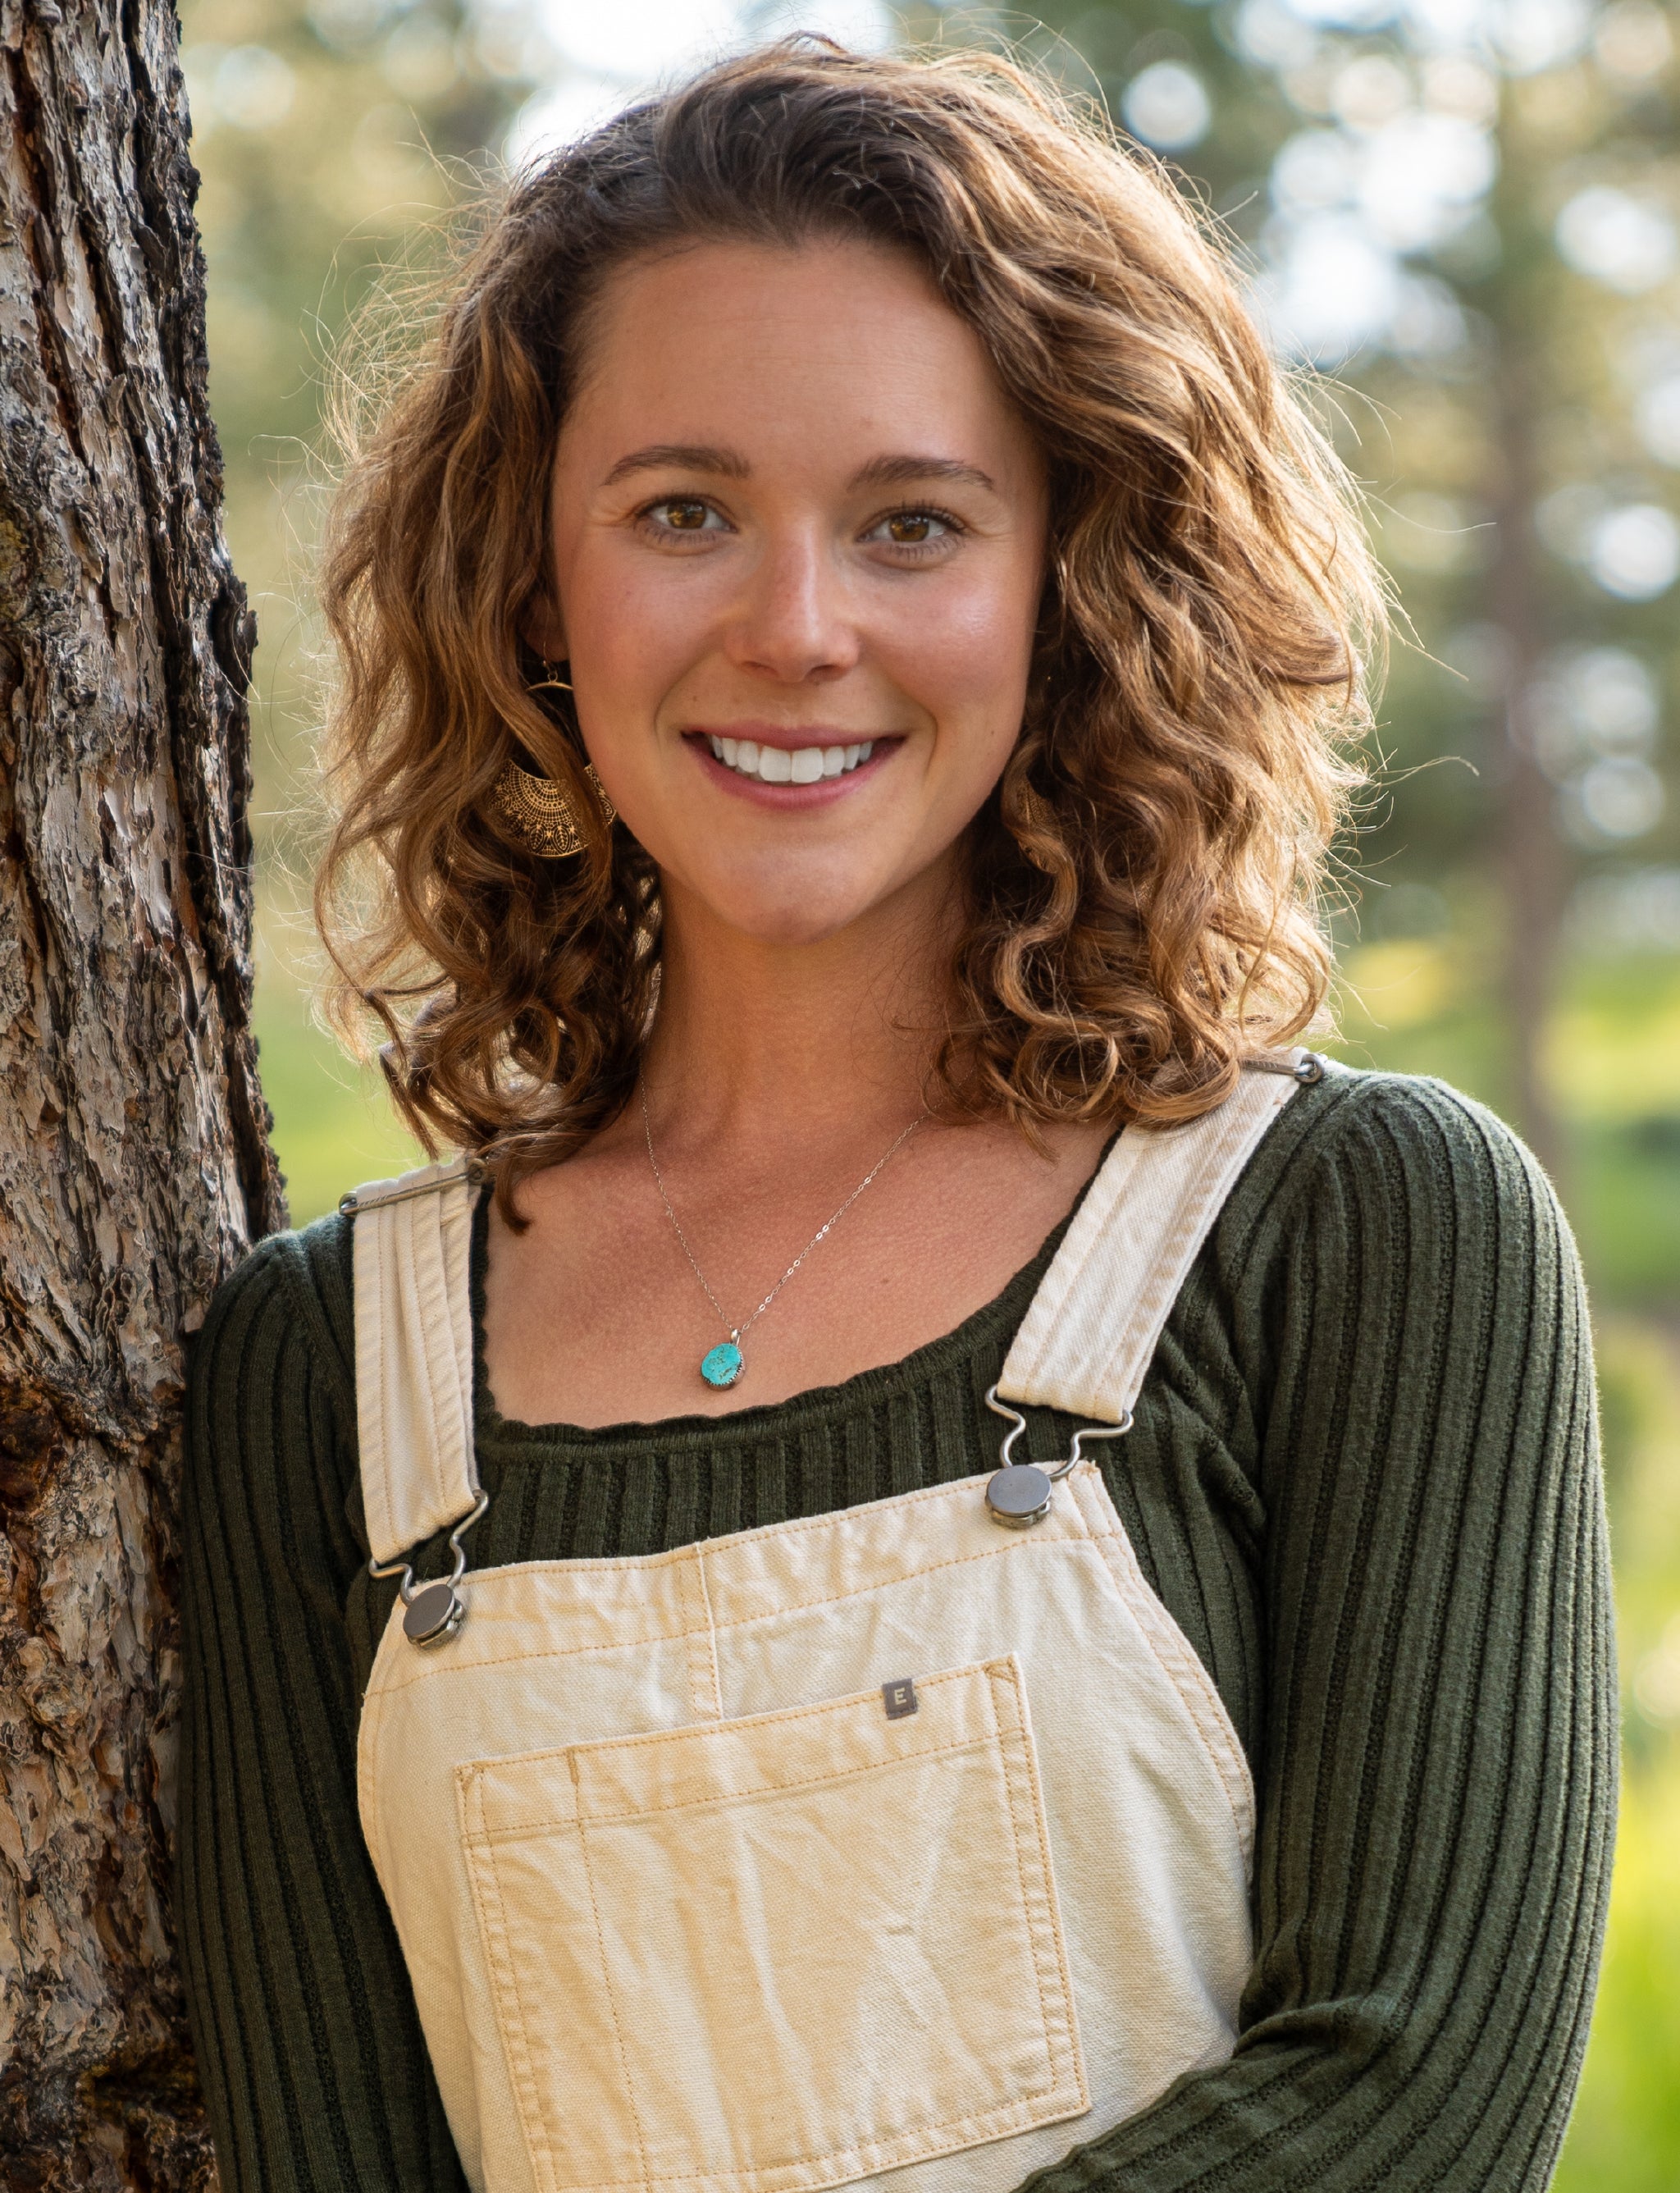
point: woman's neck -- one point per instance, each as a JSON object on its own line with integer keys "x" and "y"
{"x": 836, "y": 1035}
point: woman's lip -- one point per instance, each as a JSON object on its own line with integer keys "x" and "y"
{"x": 790, "y": 741}
{"x": 784, "y": 796}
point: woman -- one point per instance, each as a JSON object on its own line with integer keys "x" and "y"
{"x": 845, "y": 639}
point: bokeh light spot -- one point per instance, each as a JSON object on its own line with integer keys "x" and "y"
{"x": 1616, "y": 239}
{"x": 1634, "y": 553}
{"x": 1166, "y": 106}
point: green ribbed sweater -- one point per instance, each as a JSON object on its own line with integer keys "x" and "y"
{"x": 1363, "y": 1478}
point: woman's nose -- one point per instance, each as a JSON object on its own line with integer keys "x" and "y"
{"x": 795, "y": 622}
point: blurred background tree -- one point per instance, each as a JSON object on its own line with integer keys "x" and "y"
{"x": 1464, "y": 213}
{"x": 333, "y": 139}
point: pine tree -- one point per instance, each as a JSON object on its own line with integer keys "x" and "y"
{"x": 134, "y": 1165}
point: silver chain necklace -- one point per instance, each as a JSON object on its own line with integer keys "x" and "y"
{"x": 722, "y": 1364}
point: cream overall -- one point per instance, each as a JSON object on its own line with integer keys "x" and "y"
{"x": 886, "y": 1844}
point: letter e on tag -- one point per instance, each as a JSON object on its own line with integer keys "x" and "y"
{"x": 899, "y": 1698}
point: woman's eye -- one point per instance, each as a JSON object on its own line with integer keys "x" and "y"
{"x": 913, "y": 529}
{"x": 680, "y": 514}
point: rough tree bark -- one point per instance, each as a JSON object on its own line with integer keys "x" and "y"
{"x": 134, "y": 1166}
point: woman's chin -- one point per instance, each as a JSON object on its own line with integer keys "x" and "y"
{"x": 792, "y": 909}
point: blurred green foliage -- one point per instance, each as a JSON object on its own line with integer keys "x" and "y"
{"x": 1625, "y": 2135}
{"x": 1506, "y": 341}
{"x": 1464, "y": 212}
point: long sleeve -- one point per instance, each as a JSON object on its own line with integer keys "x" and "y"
{"x": 1363, "y": 1478}
{"x": 309, "y": 2046}
{"x": 1435, "y": 1732}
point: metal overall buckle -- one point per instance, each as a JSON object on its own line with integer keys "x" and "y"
{"x": 1019, "y": 1493}
{"x": 434, "y": 1611}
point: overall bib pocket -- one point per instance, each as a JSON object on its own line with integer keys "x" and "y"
{"x": 777, "y": 1954}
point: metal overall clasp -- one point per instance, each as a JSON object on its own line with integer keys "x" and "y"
{"x": 434, "y": 1611}
{"x": 1019, "y": 1493}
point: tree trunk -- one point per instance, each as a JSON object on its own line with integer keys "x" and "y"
{"x": 135, "y": 1167}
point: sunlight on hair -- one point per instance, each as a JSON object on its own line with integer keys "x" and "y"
{"x": 1145, "y": 882}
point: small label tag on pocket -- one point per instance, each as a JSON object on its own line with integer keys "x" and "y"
{"x": 899, "y": 1698}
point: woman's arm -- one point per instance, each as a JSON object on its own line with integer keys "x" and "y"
{"x": 1437, "y": 1763}
{"x": 309, "y": 2047}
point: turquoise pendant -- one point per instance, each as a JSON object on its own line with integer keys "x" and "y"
{"x": 723, "y": 1366}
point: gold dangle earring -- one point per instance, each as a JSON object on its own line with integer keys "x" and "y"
{"x": 534, "y": 811}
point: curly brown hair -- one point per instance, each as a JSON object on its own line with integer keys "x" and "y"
{"x": 1143, "y": 882}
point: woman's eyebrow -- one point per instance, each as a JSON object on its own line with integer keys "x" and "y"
{"x": 894, "y": 471}
{"x": 681, "y": 456}
{"x": 900, "y": 471}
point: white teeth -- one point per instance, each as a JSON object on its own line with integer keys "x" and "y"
{"x": 788, "y": 765}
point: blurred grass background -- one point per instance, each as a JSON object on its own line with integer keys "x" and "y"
{"x": 1465, "y": 211}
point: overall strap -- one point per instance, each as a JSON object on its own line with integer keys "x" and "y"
{"x": 414, "y": 1354}
{"x": 1083, "y": 1346}
{"x": 1091, "y": 1330}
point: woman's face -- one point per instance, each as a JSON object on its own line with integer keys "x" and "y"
{"x": 798, "y": 541}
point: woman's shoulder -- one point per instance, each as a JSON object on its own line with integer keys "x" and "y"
{"x": 1407, "y": 1131}
{"x": 1366, "y": 1158}
{"x": 1393, "y": 1264}
{"x": 291, "y": 1292}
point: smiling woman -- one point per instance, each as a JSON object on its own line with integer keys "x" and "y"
{"x": 789, "y": 585}
{"x": 848, "y": 651}
{"x": 882, "y": 299}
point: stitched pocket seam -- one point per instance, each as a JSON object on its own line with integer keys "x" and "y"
{"x": 1064, "y": 2093}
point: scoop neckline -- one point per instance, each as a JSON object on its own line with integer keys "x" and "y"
{"x": 844, "y": 1397}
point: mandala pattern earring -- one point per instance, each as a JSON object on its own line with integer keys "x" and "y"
{"x": 537, "y": 814}
{"x": 535, "y": 811}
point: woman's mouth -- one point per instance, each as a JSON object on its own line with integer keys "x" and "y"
{"x": 788, "y": 765}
